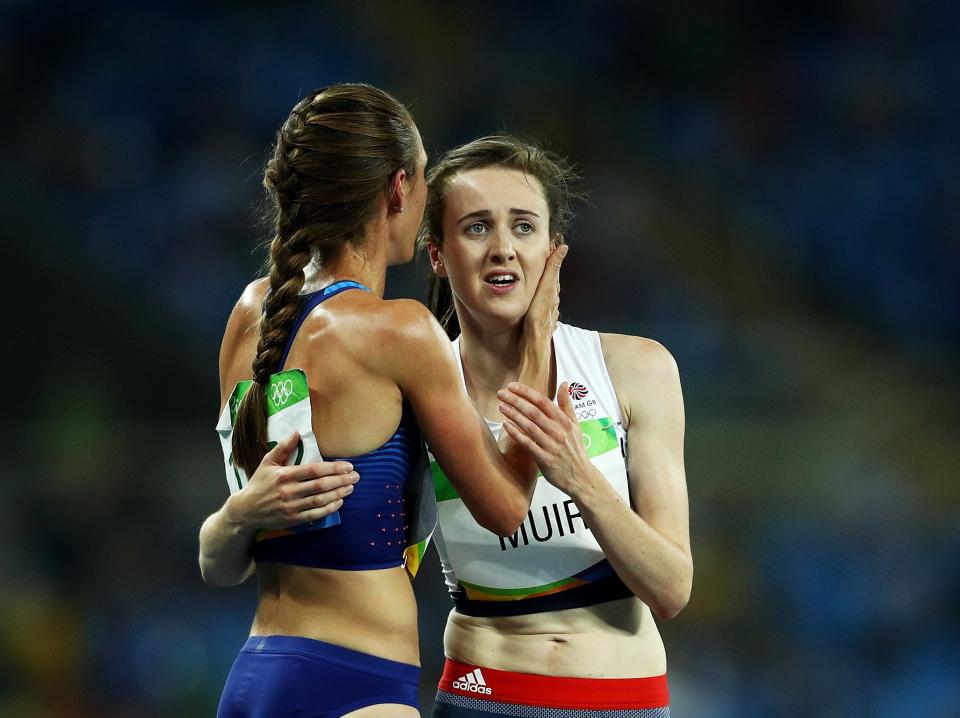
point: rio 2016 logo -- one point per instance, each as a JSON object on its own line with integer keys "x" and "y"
{"x": 577, "y": 391}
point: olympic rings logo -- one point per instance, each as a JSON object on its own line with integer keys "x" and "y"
{"x": 586, "y": 414}
{"x": 281, "y": 391}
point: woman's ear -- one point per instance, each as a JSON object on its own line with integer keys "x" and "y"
{"x": 436, "y": 261}
{"x": 397, "y": 198}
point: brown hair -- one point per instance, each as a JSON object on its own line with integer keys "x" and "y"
{"x": 333, "y": 158}
{"x": 555, "y": 173}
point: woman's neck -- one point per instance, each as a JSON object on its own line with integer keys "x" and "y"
{"x": 368, "y": 269}
{"x": 491, "y": 359}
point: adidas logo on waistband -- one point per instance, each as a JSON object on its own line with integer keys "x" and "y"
{"x": 473, "y": 683}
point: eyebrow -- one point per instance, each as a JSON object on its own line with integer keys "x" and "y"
{"x": 482, "y": 213}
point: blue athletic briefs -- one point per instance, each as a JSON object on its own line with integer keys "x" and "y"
{"x": 287, "y": 676}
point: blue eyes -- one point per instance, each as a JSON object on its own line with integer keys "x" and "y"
{"x": 522, "y": 227}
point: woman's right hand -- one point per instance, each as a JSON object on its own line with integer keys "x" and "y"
{"x": 541, "y": 318}
{"x": 280, "y": 496}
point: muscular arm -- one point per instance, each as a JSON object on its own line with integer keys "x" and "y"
{"x": 495, "y": 484}
{"x": 494, "y": 481}
{"x": 647, "y": 543}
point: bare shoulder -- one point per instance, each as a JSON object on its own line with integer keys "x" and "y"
{"x": 379, "y": 334}
{"x": 400, "y": 320}
{"x": 253, "y": 294}
{"x": 409, "y": 315}
{"x": 628, "y": 355}
{"x": 244, "y": 319}
{"x": 240, "y": 335}
{"x": 395, "y": 320}
{"x": 644, "y": 373}
{"x": 413, "y": 333}
{"x": 246, "y": 312}
{"x": 412, "y": 348}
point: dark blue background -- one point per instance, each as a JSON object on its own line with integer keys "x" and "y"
{"x": 774, "y": 195}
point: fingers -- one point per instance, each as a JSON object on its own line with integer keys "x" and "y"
{"x": 533, "y": 425}
{"x": 313, "y": 498}
{"x": 308, "y": 487}
{"x": 316, "y": 470}
{"x": 522, "y": 397}
{"x": 541, "y": 318}
{"x": 321, "y": 500}
{"x": 556, "y": 258}
{"x": 535, "y": 415}
{"x": 565, "y": 402}
{"x": 550, "y": 279}
{"x": 278, "y": 455}
{"x": 525, "y": 442}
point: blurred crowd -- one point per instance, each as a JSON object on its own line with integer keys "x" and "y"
{"x": 774, "y": 194}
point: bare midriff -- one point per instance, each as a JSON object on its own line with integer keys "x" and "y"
{"x": 617, "y": 639}
{"x": 373, "y": 612}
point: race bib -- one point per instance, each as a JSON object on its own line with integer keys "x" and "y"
{"x": 288, "y": 410}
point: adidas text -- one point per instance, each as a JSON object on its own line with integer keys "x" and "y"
{"x": 472, "y": 688}
{"x": 473, "y": 683}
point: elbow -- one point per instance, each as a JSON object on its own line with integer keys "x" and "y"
{"x": 213, "y": 577}
{"x": 501, "y": 515}
{"x": 208, "y": 574}
{"x": 671, "y": 607}
{"x": 500, "y": 526}
{"x": 505, "y": 522}
{"x": 673, "y": 600}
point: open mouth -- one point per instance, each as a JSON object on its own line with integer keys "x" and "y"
{"x": 501, "y": 280}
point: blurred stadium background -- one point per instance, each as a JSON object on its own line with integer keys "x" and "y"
{"x": 775, "y": 196}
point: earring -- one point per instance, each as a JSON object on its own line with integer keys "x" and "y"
{"x": 399, "y": 209}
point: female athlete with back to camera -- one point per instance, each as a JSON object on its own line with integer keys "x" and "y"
{"x": 335, "y": 631}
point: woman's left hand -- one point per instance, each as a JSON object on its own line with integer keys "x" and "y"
{"x": 550, "y": 432}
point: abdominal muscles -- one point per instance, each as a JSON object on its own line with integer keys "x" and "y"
{"x": 617, "y": 639}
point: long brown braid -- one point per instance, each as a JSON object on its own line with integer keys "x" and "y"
{"x": 334, "y": 157}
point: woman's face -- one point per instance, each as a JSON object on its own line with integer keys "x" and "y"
{"x": 496, "y": 239}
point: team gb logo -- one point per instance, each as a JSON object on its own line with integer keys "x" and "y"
{"x": 577, "y": 390}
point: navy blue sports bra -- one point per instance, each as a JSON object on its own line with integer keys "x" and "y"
{"x": 372, "y": 533}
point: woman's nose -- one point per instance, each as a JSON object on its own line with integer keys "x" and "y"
{"x": 501, "y": 246}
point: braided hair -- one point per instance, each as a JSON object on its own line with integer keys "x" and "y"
{"x": 333, "y": 158}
